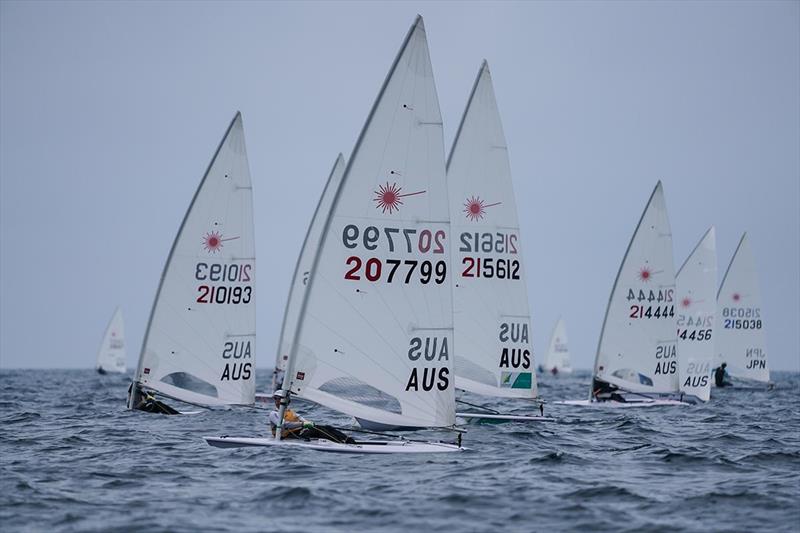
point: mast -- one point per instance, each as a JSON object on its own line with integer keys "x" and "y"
{"x": 654, "y": 211}
{"x": 484, "y": 67}
{"x": 139, "y": 366}
{"x": 733, "y": 260}
{"x": 291, "y": 362}
{"x": 491, "y": 311}
{"x": 314, "y": 220}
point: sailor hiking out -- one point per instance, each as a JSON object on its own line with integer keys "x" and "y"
{"x": 143, "y": 400}
{"x": 297, "y": 427}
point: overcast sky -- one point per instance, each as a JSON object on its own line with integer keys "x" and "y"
{"x": 110, "y": 112}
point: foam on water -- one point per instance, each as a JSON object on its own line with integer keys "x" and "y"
{"x": 73, "y": 459}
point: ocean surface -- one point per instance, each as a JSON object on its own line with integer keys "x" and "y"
{"x": 73, "y": 459}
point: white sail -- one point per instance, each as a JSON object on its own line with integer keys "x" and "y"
{"x": 374, "y": 338}
{"x": 696, "y": 283}
{"x": 494, "y": 354}
{"x": 740, "y": 337}
{"x": 111, "y": 357}
{"x": 302, "y": 270}
{"x": 637, "y": 348}
{"x": 557, "y": 361}
{"x": 199, "y": 346}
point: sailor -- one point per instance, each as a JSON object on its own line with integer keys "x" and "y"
{"x": 145, "y": 401}
{"x": 721, "y": 375}
{"x": 603, "y": 391}
{"x": 297, "y": 427}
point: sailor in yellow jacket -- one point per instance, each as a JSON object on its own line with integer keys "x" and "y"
{"x": 297, "y": 427}
{"x": 293, "y": 423}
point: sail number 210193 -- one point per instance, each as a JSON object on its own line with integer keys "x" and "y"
{"x": 224, "y": 283}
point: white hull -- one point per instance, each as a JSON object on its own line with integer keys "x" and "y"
{"x": 501, "y": 417}
{"x": 369, "y": 447}
{"x": 744, "y": 384}
{"x": 621, "y": 405}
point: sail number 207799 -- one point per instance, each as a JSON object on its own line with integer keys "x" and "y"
{"x": 419, "y": 242}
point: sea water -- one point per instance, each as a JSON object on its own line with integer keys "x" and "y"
{"x": 73, "y": 459}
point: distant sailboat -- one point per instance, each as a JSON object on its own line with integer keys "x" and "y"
{"x": 493, "y": 349}
{"x": 740, "y": 333}
{"x": 696, "y": 284}
{"x": 374, "y": 330}
{"x": 199, "y": 346}
{"x": 557, "y": 360}
{"x": 636, "y": 362}
{"x": 302, "y": 271}
{"x": 111, "y": 357}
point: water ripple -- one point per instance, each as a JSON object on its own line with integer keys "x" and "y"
{"x": 73, "y": 459}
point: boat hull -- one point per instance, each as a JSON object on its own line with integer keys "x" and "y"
{"x": 496, "y": 418}
{"x": 364, "y": 447}
{"x": 621, "y": 405}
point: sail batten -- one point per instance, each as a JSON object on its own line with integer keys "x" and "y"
{"x": 494, "y": 351}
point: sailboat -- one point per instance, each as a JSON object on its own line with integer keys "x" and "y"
{"x": 374, "y": 333}
{"x": 302, "y": 271}
{"x": 636, "y": 363}
{"x": 740, "y": 335}
{"x": 491, "y": 316}
{"x": 111, "y": 357}
{"x": 556, "y": 361}
{"x": 696, "y": 283}
{"x": 199, "y": 346}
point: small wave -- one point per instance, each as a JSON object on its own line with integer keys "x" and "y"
{"x": 604, "y": 492}
{"x": 772, "y": 457}
{"x": 462, "y": 498}
{"x": 18, "y": 418}
{"x": 684, "y": 458}
{"x": 291, "y": 494}
{"x": 556, "y": 456}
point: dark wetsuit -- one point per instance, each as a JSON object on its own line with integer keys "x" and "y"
{"x": 146, "y": 402}
{"x": 151, "y": 405}
{"x": 603, "y": 391}
{"x": 719, "y": 378}
{"x": 325, "y": 432}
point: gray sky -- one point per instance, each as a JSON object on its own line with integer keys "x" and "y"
{"x": 110, "y": 112}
